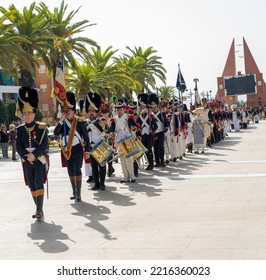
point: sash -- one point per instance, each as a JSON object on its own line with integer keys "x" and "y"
{"x": 159, "y": 122}
{"x": 145, "y": 127}
{"x": 67, "y": 150}
{"x": 144, "y": 121}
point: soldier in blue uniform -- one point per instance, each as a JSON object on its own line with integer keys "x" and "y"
{"x": 146, "y": 123}
{"x": 73, "y": 137}
{"x": 161, "y": 127}
{"x": 32, "y": 146}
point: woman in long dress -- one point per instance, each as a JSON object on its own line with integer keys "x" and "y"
{"x": 198, "y": 129}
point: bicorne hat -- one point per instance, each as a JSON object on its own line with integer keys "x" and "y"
{"x": 28, "y": 99}
{"x": 94, "y": 100}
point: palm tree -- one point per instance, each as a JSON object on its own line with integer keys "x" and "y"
{"x": 61, "y": 29}
{"x": 152, "y": 65}
{"x": 11, "y": 52}
{"x": 100, "y": 74}
{"x": 31, "y": 27}
{"x": 117, "y": 79}
{"x": 134, "y": 66}
{"x": 167, "y": 92}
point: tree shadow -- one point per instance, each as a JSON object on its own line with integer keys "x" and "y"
{"x": 94, "y": 214}
{"x": 51, "y": 234}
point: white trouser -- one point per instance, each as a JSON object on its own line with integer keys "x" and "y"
{"x": 173, "y": 146}
{"x": 167, "y": 149}
{"x": 183, "y": 143}
{"x": 127, "y": 168}
{"x": 88, "y": 170}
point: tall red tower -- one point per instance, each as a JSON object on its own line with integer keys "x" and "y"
{"x": 255, "y": 100}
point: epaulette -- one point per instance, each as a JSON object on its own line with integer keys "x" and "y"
{"x": 23, "y": 124}
{"x": 41, "y": 125}
{"x": 80, "y": 119}
{"x": 131, "y": 116}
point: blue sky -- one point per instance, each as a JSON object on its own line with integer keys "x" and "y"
{"x": 195, "y": 33}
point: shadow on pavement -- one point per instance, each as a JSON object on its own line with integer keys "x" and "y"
{"x": 94, "y": 214}
{"x": 49, "y": 237}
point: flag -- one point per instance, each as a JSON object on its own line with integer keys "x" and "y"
{"x": 180, "y": 83}
{"x": 59, "y": 85}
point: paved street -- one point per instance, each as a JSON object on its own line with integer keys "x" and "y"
{"x": 207, "y": 206}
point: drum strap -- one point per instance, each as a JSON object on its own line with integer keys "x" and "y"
{"x": 94, "y": 129}
{"x": 121, "y": 123}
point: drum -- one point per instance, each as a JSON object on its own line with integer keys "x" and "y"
{"x": 102, "y": 152}
{"x": 128, "y": 146}
{"x": 142, "y": 148}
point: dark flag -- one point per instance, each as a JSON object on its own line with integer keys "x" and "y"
{"x": 180, "y": 83}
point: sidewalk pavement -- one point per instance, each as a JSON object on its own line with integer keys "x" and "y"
{"x": 207, "y": 206}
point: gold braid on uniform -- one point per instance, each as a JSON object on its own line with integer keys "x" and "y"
{"x": 67, "y": 150}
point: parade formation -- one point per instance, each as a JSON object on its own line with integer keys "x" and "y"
{"x": 144, "y": 134}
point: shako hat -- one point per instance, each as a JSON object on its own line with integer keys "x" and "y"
{"x": 163, "y": 103}
{"x": 153, "y": 100}
{"x": 120, "y": 102}
{"x": 132, "y": 104}
{"x": 143, "y": 99}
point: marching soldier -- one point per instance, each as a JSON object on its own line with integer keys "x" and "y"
{"x": 160, "y": 128}
{"x": 174, "y": 131}
{"x": 167, "y": 140}
{"x": 181, "y": 141}
{"x": 146, "y": 123}
{"x": 97, "y": 132}
{"x": 32, "y": 146}
{"x": 132, "y": 105}
{"x": 73, "y": 133}
{"x": 189, "y": 121}
{"x": 83, "y": 105}
{"x": 105, "y": 111}
{"x": 121, "y": 126}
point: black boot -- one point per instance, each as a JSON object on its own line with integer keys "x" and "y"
{"x": 150, "y": 161}
{"x": 74, "y": 188}
{"x": 39, "y": 208}
{"x": 136, "y": 168}
{"x": 90, "y": 179}
{"x": 78, "y": 194}
{"x": 102, "y": 177}
{"x": 111, "y": 170}
{"x": 96, "y": 186}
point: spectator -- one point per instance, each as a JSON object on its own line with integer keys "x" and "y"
{"x": 4, "y": 140}
{"x": 12, "y": 140}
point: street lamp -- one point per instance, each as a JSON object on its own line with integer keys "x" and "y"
{"x": 190, "y": 94}
{"x": 196, "y": 80}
